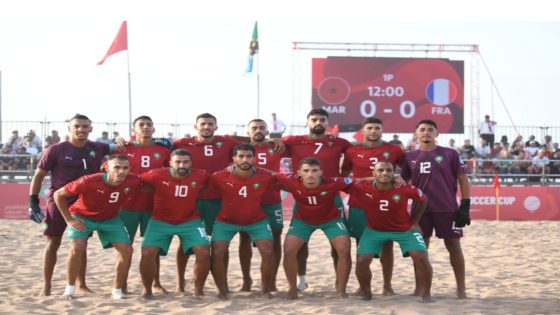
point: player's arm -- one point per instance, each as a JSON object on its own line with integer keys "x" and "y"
{"x": 35, "y": 213}
{"x": 279, "y": 145}
{"x": 60, "y": 200}
{"x": 463, "y": 217}
{"x": 418, "y": 212}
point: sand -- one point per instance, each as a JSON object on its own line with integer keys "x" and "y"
{"x": 512, "y": 268}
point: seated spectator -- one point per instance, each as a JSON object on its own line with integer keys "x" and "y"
{"x": 30, "y": 148}
{"x": 539, "y": 164}
{"x": 104, "y": 138}
{"x": 453, "y": 146}
{"x": 14, "y": 142}
{"x": 521, "y": 164}
{"x": 495, "y": 152}
{"x": 483, "y": 150}
{"x": 115, "y": 137}
{"x": 517, "y": 146}
{"x": 397, "y": 141}
{"x": 532, "y": 138}
{"x": 6, "y": 159}
{"x": 555, "y": 163}
{"x": 547, "y": 141}
{"x": 22, "y": 160}
{"x": 467, "y": 150}
{"x": 54, "y": 138}
{"x": 504, "y": 163}
{"x": 35, "y": 140}
{"x": 532, "y": 149}
{"x": 412, "y": 143}
{"x": 504, "y": 140}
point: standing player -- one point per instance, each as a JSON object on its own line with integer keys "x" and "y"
{"x": 361, "y": 159}
{"x": 388, "y": 220}
{"x": 436, "y": 171}
{"x": 329, "y": 150}
{"x": 314, "y": 197}
{"x": 144, "y": 155}
{"x": 66, "y": 161}
{"x": 99, "y": 198}
{"x": 210, "y": 153}
{"x": 175, "y": 191}
{"x": 267, "y": 158}
{"x": 242, "y": 191}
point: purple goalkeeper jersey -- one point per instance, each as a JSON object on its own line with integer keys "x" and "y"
{"x": 435, "y": 173}
{"x": 66, "y": 162}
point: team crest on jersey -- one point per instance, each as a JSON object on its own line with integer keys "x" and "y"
{"x": 219, "y": 144}
{"x": 92, "y": 154}
{"x": 256, "y": 186}
{"x": 127, "y": 190}
{"x": 157, "y": 156}
{"x": 386, "y": 154}
{"x": 396, "y": 198}
{"x": 330, "y": 143}
{"x": 193, "y": 184}
{"x": 439, "y": 158}
{"x": 323, "y": 193}
{"x": 270, "y": 151}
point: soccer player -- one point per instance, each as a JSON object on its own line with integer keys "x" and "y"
{"x": 65, "y": 161}
{"x": 329, "y": 150}
{"x": 385, "y": 209}
{"x": 210, "y": 153}
{"x": 267, "y": 158}
{"x": 436, "y": 171}
{"x": 99, "y": 199}
{"x": 242, "y": 191}
{"x": 144, "y": 154}
{"x": 175, "y": 191}
{"x": 314, "y": 196}
{"x": 361, "y": 159}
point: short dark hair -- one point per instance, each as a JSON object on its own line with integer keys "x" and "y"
{"x": 80, "y": 116}
{"x": 181, "y": 152}
{"x": 143, "y": 117}
{"x": 120, "y": 157}
{"x": 372, "y": 120}
{"x": 206, "y": 115}
{"x": 427, "y": 122}
{"x": 309, "y": 161}
{"x": 243, "y": 147}
{"x": 256, "y": 120}
{"x": 318, "y": 111}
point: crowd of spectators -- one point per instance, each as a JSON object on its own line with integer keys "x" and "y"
{"x": 21, "y": 153}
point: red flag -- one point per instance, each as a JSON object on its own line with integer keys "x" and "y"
{"x": 119, "y": 44}
{"x": 496, "y": 181}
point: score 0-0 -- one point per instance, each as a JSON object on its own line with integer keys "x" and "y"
{"x": 368, "y": 108}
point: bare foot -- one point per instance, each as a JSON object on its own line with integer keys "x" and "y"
{"x": 367, "y": 296}
{"x": 416, "y": 292}
{"x": 341, "y": 295}
{"x": 427, "y": 299}
{"x": 267, "y": 296}
{"x": 46, "y": 291}
{"x": 147, "y": 295}
{"x": 273, "y": 288}
{"x": 180, "y": 288}
{"x": 358, "y": 292}
{"x": 198, "y": 293}
{"x": 158, "y": 289}
{"x": 461, "y": 294}
{"x": 85, "y": 289}
{"x": 222, "y": 296}
{"x": 388, "y": 291}
{"x": 292, "y": 294}
{"x": 247, "y": 284}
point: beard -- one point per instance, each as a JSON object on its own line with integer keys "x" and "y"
{"x": 317, "y": 130}
{"x": 182, "y": 171}
{"x": 258, "y": 137}
{"x": 244, "y": 166}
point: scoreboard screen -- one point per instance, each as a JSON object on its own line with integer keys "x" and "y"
{"x": 399, "y": 91}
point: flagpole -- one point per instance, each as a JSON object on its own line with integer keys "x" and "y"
{"x": 129, "y": 94}
{"x": 258, "y": 90}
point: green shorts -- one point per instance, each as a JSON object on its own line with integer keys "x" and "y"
{"x": 275, "y": 216}
{"x": 357, "y": 222}
{"x": 331, "y": 229}
{"x": 109, "y": 231}
{"x": 208, "y": 212}
{"x": 134, "y": 219}
{"x": 337, "y": 201}
{"x": 372, "y": 241}
{"x": 160, "y": 234}
{"x": 257, "y": 231}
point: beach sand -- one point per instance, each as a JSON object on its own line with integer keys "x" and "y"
{"x": 512, "y": 268}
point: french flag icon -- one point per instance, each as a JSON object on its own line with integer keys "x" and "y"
{"x": 441, "y": 92}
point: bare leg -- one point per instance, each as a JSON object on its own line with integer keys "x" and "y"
{"x": 277, "y": 248}
{"x": 219, "y": 251}
{"x": 292, "y": 248}
{"x": 387, "y": 261}
{"x": 457, "y": 260}
{"x": 267, "y": 265}
{"x": 157, "y": 287}
{"x": 334, "y": 257}
{"x": 417, "y": 286}
{"x": 201, "y": 268}
{"x": 182, "y": 260}
{"x": 302, "y": 256}
{"x": 122, "y": 265}
{"x": 245, "y": 256}
{"x": 49, "y": 261}
{"x": 363, "y": 274}
{"x": 148, "y": 268}
{"x": 342, "y": 246}
{"x": 423, "y": 274}
{"x": 75, "y": 255}
{"x": 82, "y": 286}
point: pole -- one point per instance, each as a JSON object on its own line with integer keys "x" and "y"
{"x": 258, "y": 90}
{"x": 129, "y": 95}
{"x": 0, "y": 106}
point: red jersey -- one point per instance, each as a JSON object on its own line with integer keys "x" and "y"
{"x": 327, "y": 150}
{"x": 175, "y": 199}
{"x": 315, "y": 205}
{"x": 386, "y": 210}
{"x": 241, "y": 197}
{"x": 361, "y": 159}
{"x": 99, "y": 201}
{"x": 143, "y": 159}
{"x": 209, "y": 156}
{"x": 265, "y": 157}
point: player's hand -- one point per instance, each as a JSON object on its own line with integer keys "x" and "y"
{"x": 120, "y": 144}
{"x": 77, "y": 224}
{"x": 398, "y": 181}
{"x": 462, "y": 218}
{"x": 163, "y": 142}
{"x": 35, "y": 213}
{"x": 230, "y": 168}
{"x": 279, "y": 146}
